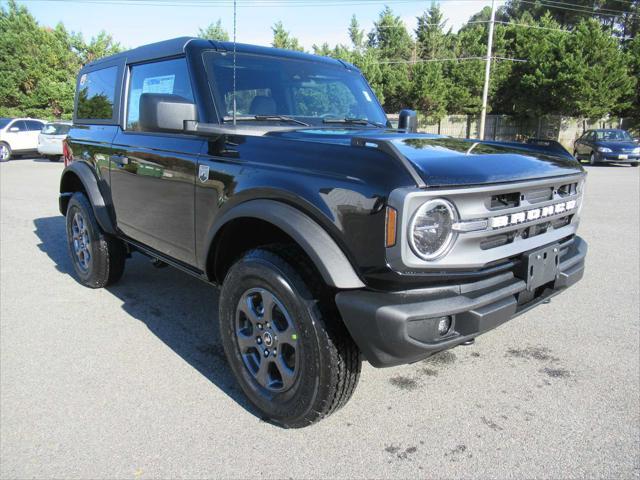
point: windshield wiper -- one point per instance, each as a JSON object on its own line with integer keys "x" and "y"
{"x": 265, "y": 118}
{"x": 353, "y": 121}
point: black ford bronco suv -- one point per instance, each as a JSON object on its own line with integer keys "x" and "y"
{"x": 334, "y": 237}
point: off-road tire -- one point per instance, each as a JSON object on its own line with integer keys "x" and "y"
{"x": 330, "y": 362}
{"x": 107, "y": 253}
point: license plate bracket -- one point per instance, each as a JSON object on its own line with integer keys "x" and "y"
{"x": 623, "y": 157}
{"x": 541, "y": 266}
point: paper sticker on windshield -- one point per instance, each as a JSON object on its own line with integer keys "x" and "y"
{"x": 366, "y": 95}
{"x": 203, "y": 173}
{"x": 83, "y": 79}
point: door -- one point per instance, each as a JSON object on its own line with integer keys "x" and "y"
{"x": 34, "y": 127}
{"x": 587, "y": 143}
{"x": 580, "y": 143}
{"x": 153, "y": 173}
{"x": 17, "y": 136}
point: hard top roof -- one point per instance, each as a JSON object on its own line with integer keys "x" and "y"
{"x": 176, "y": 46}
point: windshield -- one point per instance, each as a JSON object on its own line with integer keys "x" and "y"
{"x": 614, "y": 136}
{"x": 56, "y": 129}
{"x": 4, "y": 122}
{"x": 307, "y": 91}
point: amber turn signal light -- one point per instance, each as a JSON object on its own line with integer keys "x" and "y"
{"x": 390, "y": 227}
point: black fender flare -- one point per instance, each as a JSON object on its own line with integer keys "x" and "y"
{"x": 324, "y": 252}
{"x": 90, "y": 183}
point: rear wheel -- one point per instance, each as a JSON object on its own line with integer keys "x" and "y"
{"x": 284, "y": 340}
{"x": 53, "y": 158}
{"x": 97, "y": 258}
{"x": 5, "y": 152}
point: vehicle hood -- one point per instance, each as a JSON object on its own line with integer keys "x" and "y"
{"x": 625, "y": 147}
{"x": 447, "y": 161}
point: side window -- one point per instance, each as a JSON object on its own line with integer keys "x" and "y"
{"x": 168, "y": 76}
{"x": 96, "y": 92}
{"x": 19, "y": 124}
{"x": 34, "y": 125}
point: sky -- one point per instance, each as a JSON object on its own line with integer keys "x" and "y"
{"x": 312, "y": 22}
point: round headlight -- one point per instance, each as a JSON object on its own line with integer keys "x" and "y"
{"x": 431, "y": 232}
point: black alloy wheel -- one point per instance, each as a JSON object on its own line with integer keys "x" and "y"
{"x": 284, "y": 339}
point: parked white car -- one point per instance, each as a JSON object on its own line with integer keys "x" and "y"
{"x": 19, "y": 136}
{"x": 50, "y": 140}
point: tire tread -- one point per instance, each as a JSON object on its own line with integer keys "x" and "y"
{"x": 111, "y": 251}
{"x": 343, "y": 355}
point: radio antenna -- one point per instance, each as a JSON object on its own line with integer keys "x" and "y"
{"x": 234, "y": 62}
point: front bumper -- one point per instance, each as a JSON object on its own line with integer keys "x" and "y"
{"x": 615, "y": 157}
{"x": 402, "y": 327}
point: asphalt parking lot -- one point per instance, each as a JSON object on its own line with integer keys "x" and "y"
{"x": 131, "y": 381}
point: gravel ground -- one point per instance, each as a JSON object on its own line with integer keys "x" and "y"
{"x": 131, "y": 381}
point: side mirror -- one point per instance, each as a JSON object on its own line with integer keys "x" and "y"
{"x": 14, "y": 129}
{"x": 408, "y": 121}
{"x": 165, "y": 112}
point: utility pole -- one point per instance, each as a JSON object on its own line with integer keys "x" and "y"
{"x": 487, "y": 70}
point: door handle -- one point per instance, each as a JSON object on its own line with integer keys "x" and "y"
{"x": 119, "y": 160}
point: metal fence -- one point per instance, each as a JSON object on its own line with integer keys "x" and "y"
{"x": 507, "y": 128}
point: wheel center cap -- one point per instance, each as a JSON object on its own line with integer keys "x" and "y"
{"x": 267, "y": 338}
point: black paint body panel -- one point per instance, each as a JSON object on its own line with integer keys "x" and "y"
{"x": 158, "y": 199}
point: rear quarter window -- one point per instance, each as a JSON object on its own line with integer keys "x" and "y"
{"x": 96, "y": 94}
{"x": 56, "y": 129}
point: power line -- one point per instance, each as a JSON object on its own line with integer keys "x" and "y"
{"x": 586, "y": 9}
{"x": 561, "y": 6}
{"x": 526, "y": 25}
{"x": 323, "y": 3}
{"x": 377, "y": 27}
{"x": 229, "y": 3}
{"x": 452, "y": 59}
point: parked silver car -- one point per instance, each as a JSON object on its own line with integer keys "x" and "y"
{"x": 50, "y": 140}
{"x": 18, "y": 136}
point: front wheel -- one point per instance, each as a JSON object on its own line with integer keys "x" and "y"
{"x": 592, "y": 159}
{"x": 284, "y": 340}
{"x": 97, "y": 258}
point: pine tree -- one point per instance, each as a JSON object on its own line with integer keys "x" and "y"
{"x": 283, "y": 39}
{"x": 214, "y": 32}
